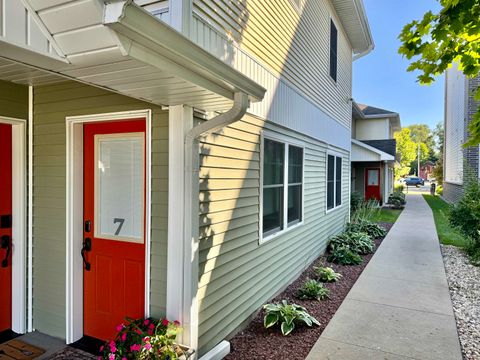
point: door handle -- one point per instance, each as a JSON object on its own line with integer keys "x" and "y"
{"x": 6, "y": 244}
{"x": 87, "y": 246}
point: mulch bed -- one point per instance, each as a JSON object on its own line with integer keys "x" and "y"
{"x": 256, "y": 342}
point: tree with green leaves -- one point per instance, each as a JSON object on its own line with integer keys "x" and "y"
{"x": 438, "y": 40}
{"x": 406, "y": 150}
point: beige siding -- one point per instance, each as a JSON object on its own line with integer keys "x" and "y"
{"x": 13, "y": 100}
{"x": 52, "y": 104}
{"x": 293, "y": 44}
{"x": 237, "y": 274}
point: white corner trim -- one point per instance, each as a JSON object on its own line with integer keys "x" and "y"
{"x": 74, "y": 214}
{"x": 19, "y": 221}
{"x": 218, "y": 352}
{"x": 30, "y": 212}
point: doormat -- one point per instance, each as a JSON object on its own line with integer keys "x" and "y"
{"x": 19, "y": 350}
{"x": 70, "y": 353}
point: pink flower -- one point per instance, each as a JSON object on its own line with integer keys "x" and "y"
{"x": 120, "y": 327}
{"x": 113, "y": 347}
{"x": 101, "y": 348}
{"x": 124, "y": 336}
{"x": 177, "y": 323}
{"x": 138, "y": 332}
{"x": 124, "y": 358}
{"x": 148, "y": 346}
{"x": 165, "y": 322}
{"x": 111, "y": 357}
{"x": 150, "y": 332}
{"x": 146, "y": 322}
{"x": 151, "y": 326}
{"x": 135, "y": 347}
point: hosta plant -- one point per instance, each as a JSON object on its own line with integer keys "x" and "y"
{"x": 313, "y": 290}
{"x": 358, "y": 242}
{"x": 327, "y": 274}
{"x": 373, "y": 230}
{"x": 287, "y": 315}
{"x": 145, "y": 339}
{"x": 344, "y": 256}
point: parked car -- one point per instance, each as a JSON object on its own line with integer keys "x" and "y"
{"x": 414, "y": 181}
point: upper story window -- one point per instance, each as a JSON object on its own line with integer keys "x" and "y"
{"x": 282, "y": 187}
{"x": 334, "y": 181}
{"x": 333, "y": 50}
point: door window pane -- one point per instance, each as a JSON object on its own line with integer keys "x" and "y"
{"x": 273, "y": 162}
{"x": 272, "y": 209}
{"x": 119, "y": 186}
{"x": 338, "y": 182}
{"x": 372, "y": 177}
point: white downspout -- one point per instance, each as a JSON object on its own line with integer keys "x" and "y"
{"x": 191, "y": 224}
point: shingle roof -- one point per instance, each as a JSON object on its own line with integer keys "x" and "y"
{"x": 371, "y": 110}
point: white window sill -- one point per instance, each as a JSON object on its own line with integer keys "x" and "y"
{"x": 262, "y": 240}
{"x": 328, "y": 211}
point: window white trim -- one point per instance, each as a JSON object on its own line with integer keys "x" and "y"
{"x": 19, "y": 222}
{"x": 335, "y": 155}
{"x": 287, "y": 141}
{"x": 74, "y": 213}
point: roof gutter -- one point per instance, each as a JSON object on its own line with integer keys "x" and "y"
{"x": 137, "y": 29}
{"x": 191, "y": 223}
{"x": 360, "y": 9}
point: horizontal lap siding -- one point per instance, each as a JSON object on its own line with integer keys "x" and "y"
{"x": 237, "y": 275}
{"x": 52, "y": 104}
{"x": 13, "y": 100}
{"x": 293, "y": 44}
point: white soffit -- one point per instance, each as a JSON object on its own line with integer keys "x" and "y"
{"x": 354, "y": 20}
{"x": 135, "y": 54}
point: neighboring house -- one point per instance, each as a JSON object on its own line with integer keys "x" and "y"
{"x": 426, "y": 170}
{"x": 184, "y": 159}
{"x": 459, "y": 164}
{"x": 373, "y": 151}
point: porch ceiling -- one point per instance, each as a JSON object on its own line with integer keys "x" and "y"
{"x": 123, "y": 48}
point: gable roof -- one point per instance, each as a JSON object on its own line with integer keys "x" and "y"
{"x": 364, "y": 111}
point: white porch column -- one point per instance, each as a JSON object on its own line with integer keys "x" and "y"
{"x": 386, "y": 188}
{"x": 180, "y": 122}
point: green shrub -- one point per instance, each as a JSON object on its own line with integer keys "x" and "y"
{"x": 358, "y": 242}
{"x": 327, "y": 274}
{"x": 344, "y": 256}
{"x": 356, "y": 200}
{"x": 473, "y": 251}
{"x": 313, "y": 290}
{"x": 466, "y": 214}
{"x": 397, "y": 199}
{"x": 373, "y": 230}
{"x": 286, "y": 315}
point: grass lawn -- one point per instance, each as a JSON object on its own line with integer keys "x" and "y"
{"x": 384, "y": 215}
{"x": 446, "y": 233}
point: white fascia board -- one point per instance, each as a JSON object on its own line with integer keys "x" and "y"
{"x": 143, "y": 29}
{"x": 383, "y": 155}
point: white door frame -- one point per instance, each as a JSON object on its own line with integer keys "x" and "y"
{"x": 19, "y": 221}
{"x": 74, "y": 215}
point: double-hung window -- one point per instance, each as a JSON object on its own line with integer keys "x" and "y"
{"x": 282, "y": 188}
{"x": 334, "y": 181}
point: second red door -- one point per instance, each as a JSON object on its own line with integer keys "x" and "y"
{"x": 114, "y": 225}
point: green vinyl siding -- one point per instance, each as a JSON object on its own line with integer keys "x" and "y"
{"x": 13, "y": 100}
{"x": 52, "y": 104}
{"x": 237, "y": 274}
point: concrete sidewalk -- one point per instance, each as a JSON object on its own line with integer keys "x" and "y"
{"x": 400, "y": 307}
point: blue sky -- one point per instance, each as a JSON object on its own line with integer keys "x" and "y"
{"x": 380, "y": 78}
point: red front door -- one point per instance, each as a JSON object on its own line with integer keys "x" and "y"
{"x": 114, "y": 225}
{"x": 5, "y": 226}
{"x": 372, "y": 184}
